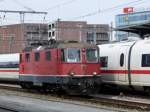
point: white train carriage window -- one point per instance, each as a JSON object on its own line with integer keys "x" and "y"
{"x": 122, "y": 60}
{"x": 146, "y": 60}
{"x": 104, "y": 61}
{"x": 11, "y": 64}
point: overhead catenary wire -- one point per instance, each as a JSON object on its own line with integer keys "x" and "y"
{"x": 82, "y": 16}
{"x": 59, "y": 5}
{"x": 22, "y": 5}
{"x": 107, "y": 9}
{"x": 22, "y": 13}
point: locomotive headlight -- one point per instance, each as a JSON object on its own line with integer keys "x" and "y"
{"x": 72, "y": 73}
{"x": 94, "y": 73}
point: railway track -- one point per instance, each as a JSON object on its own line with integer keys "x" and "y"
{"x": 117, "y": 103}
{"x": 7, "y": 109}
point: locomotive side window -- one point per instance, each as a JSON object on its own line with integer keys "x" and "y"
{"x": 37, "y": 56}
{"x": 20, "y": 58}
{"x": 62, "y": 55}
{"x": 91, "y": 55}
{"x": 122, "y": 60}
{"x": 146, "y": 60}
{"x": 104, "y": 61}
{"x": 48, "y": 55}
{"x": 27, "y": 57}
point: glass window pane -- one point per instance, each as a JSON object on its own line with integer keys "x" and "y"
{"x": 73, "y": 55}
{"x": 48, "y": 55}
{"x": 27, "y": 57}
{"x": 146, "y": 60}
{"x": 122, "y": 60}
{"x": 104, "y": 61}
{"x": 37, "y": 56}
{"x": 91, "y": 55}
{"x": 62, "y": 55}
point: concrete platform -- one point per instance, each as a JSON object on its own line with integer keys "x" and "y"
{"x": 24, "y": 104}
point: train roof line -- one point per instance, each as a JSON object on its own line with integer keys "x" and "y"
{"x": 124, "y": 41}
{"x": 40, "y": 45}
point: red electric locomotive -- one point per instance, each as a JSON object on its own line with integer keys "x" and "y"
{"x": 70, "y": 66}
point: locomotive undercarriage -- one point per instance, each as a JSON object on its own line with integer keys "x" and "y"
{"x": 70, "y": 85}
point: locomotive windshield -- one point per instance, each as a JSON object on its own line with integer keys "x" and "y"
{"x": 91, "y": 55}
{"x": 71, "y": 55}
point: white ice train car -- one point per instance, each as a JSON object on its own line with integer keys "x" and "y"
{"x": 9, "y": 67}
{"x": 126, "y": 63}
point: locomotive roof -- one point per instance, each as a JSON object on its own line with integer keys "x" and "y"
{"x": 59, "y": 45}
{"x": 76, "y": 45}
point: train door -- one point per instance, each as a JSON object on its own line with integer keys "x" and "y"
{"x": 122, "y": 68}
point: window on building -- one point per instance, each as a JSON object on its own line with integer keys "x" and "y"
{"x": 48, "y": 55}
{"x": 146, "y": 60}
{"x": 102, "y": 36}
{"x": 53, "y": 33}
{"x": 53, "y": 26}
{"x": 27, "y": 57}
{"x": 49, "y": 34}
{"x": 37, "y": 56}
{"x": 122, "y": 60}
{"x": 104, "y": 61}
{"x": 49, "y": 27}
{"x": 90, "y": 37}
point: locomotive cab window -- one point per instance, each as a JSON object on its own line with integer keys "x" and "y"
{"x": 37, "y": 56}
{"x": 92, "y": 55}
{"x": 122, "y": 60}
{"x": 146, "y": 60}
{"x": 104, "y": 61}
{"x": 48, "y": 55}
{"x": 71, "y": 55}
{"x": 27, "y": 57}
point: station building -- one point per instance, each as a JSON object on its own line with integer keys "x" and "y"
{"x": 131, "y": 17}
{"x": 13, "y": 38}
{"x": 79, "y": 31}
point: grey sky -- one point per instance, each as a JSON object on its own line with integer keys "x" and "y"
{"x": 67, "y": 9}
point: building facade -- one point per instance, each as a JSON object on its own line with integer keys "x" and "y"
{"x": 13, "y": 38}
{"x": 78, "y": 31}
{"x": 131, "y": 18}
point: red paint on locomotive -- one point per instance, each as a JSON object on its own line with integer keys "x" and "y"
{"x": 64, "y": 63}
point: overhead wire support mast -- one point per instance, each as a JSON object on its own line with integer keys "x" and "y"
{"x": 22, "y": 16}
{"x": 22, "y": 13}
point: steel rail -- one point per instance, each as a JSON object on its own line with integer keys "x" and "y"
{"x": 96, "y": 100}
{"x": 8, "y": 109}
